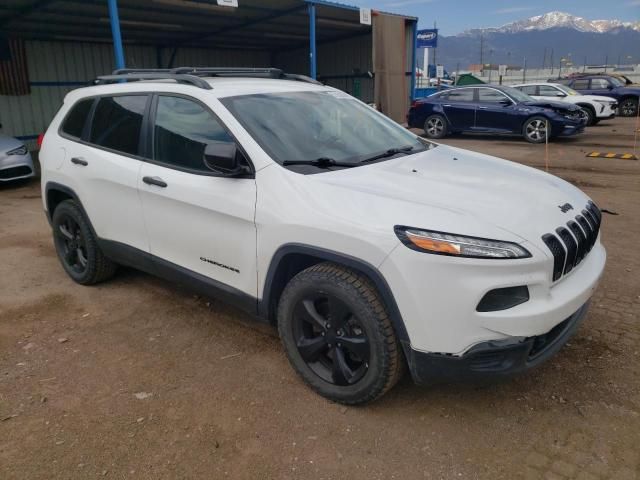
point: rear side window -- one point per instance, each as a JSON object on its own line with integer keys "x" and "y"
{"x": 183, "y": 129}
{"x": 462, "y": 95}
{"x": 117, "y": 123}
{"x": 76, "y": 119}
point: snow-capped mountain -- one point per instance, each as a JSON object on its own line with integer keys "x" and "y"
{"x": 559, "y": 20}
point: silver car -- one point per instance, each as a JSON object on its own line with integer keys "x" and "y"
{"x": 15, "y": 160}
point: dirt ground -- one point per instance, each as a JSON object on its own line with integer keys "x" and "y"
{"x": 136, "y": 378}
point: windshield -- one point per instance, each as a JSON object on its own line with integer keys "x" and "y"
{"x": 517, "y": 95}
{"x": 567, "y": 90}
{"x": 307, "y": 126}
{"x": 616, "y": 82}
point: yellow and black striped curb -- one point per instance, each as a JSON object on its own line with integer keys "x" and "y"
{"x": 621, "y": 156}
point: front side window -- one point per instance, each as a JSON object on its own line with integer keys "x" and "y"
{"x": 183, "y": 129}
{"x": 528, "y": 89}
{"x": 312, "y": 125}
{"x": 548, "y": 91}
{"x": 117, "y": 123}
{"x": 76, "y": 119}
{"x": 599, "y": 83}
{"x": 489, "y": 95}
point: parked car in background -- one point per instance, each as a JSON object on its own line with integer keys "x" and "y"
{"x": 595, "y": 106}
{"x": 494, "y": 109}
{"x": 15, "y": 160}
{"x": 607, "y": 85}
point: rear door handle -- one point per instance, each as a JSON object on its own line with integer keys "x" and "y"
{"x": 79, "y": 161}
{"x": 157, "y": 181}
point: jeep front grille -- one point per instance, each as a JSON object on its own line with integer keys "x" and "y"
{"x": 569, "y": 246}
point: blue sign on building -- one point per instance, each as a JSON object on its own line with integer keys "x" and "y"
{"x": 428, "y": 38}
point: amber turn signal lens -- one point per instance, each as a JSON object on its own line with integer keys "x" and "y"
{"x": 434, "y": 245}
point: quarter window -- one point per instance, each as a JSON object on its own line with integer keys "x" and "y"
{"x": 77, "y": 118}
{"x": 117, "y": 123}
{"x": 183, "y": 129}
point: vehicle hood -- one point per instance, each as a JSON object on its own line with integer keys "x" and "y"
{"x": 8, "y": 143}
{"x": 558, "y": 106}
{"x": 630, "y": 89}
{"x": 598, "y": 98}
{"x": 457, "y": 191}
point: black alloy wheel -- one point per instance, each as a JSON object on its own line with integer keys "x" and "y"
{"x": 330, "y": 339}
{"x": 72, "y": 244}
{"x": 77, "y": 246}
{"x": 628, "y": 107}
{"x": 337, "y": 334}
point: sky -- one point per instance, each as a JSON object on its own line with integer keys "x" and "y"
{"x": 455, "y": 16}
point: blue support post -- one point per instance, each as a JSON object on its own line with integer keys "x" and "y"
{"x": 312, "y": 41}
{"x": 415, "y": 60}
{"x": 115, "y": 32}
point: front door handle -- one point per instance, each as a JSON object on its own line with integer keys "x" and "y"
{"x": 446, "y": 105}
{"x": 157, "y": 181}
{"x": 483, "y": 108}
{"x": 79, "y": 161}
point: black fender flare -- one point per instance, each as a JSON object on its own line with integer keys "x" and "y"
{"x": 325, "y": 255}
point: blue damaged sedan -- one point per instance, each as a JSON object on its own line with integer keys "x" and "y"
{"x": 494, "y": 109}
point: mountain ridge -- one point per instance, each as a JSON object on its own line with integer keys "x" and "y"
{"x": 557, "y": 19}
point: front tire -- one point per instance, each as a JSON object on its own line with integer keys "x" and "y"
{"x": 628, "y": 107}
{"x": 338, "y": 336}
{"x": 435, "y": 126}
{"x": 77, "y": 247}
{"x": 535, "y": 129}
{"x": 590, "y": 114}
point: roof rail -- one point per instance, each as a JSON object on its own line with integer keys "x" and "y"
{"x": 218, "y": 72}
{"x": 137, "y": 75}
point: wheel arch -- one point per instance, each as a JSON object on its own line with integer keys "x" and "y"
{"x": 55, "y": 194}
{"x": 290, "y": 259}
{"x": 586, "y": 105}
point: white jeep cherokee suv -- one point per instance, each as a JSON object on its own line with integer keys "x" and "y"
{"x": 596, "y": 107}
{"x": 369, "y": 248}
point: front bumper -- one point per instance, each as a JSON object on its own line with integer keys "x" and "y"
{"x": 568, "y": 128}
{"x": 494, "y": 359}
{"x": 16, "y": 167}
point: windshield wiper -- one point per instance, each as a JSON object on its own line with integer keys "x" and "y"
{"x": 322, "y": 162}
{"x": 389, "y": 153}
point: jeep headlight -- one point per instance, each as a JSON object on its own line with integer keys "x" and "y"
{"x": 441, "y": 243}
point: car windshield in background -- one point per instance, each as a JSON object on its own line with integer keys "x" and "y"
{"x": 328, "y": 126}
{"x": 616, "y": 82}
{"x": 517, "y": 95}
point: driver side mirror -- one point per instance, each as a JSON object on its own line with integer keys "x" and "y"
{"x": 609, "y": 87}
{"x": 223, "y": 158}
{"x": 505, "y": 102}
{"x": 560, "y": 95}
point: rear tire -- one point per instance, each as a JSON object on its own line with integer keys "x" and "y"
{"x": 535, "y": 129}
{"x": 338, "y": 336}
{"x": 628, "y": 107}
{"x": 435, "y": 126}
{"x": 77, "y": 247}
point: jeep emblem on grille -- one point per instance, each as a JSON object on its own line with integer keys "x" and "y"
{"x": 566, "y": 207}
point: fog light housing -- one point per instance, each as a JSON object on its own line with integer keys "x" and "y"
{"x": 503, "y": 299}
